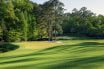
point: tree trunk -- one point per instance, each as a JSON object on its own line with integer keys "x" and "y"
{"x": 4, "y": 34}
{"x": 50, "y": 36}
{"x": 55, "y": 36}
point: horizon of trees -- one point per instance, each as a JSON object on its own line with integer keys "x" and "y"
{"x": 24, "y": 20}
{"x": 84, "y": 22}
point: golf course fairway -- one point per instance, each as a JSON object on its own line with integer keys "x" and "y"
{"x": 66, "y": 54}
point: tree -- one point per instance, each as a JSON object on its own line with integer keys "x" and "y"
{"x": 24, "y": 10}
{"x": 7, "y": 17}
{"x": 53, "y": 11}
{"x": 2, "y": 14}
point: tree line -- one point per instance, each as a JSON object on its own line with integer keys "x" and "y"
{"x": 24, "y": 20}
{"x": 84, "y": 22}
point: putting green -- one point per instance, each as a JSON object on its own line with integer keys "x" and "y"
{"x": 70, "y": 54}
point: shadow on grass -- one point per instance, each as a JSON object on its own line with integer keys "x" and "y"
{"x": 71, "y": 37}
{"x": 80, "y": 45}
{"x": 77, "y": 48}
{"x": 5, "y": 47}
{"x": 80, "y": 63}
{"x": 90, "y": 43}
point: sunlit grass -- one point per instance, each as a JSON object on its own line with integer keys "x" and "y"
{"x": 38, "y": 44}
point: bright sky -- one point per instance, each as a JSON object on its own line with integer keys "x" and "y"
{"x": 97, "y": 6}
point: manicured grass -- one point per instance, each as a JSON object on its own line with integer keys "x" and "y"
{"x": 70, "y": 54}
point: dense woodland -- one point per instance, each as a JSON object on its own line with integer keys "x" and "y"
{"x": 24, "y": 20}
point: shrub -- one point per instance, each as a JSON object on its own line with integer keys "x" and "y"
{"x": 7, "y": 47}
{"x": 14, "y": 36}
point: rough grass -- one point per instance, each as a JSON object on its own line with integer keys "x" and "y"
{"x": 70, "y": 54}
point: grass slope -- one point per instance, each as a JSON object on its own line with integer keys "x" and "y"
{"x": 72, "y": 54}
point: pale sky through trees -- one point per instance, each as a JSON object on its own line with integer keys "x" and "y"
{"x": 96, "y": 6}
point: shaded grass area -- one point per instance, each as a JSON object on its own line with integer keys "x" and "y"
{"x": 5, "y": 47}
{"x": 78, "y": 55}
{"x": 74, "y": 37}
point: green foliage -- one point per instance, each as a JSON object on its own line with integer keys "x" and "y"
{"x": 17, "y": 16}
{"x": 14, "y": 36}
{"x": 84, "y": 22}
{"x": 52, "y": 12}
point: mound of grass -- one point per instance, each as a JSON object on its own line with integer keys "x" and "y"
{"x": 5, "y": 47}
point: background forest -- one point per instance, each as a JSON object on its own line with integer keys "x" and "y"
{"x": 24, "y": 20}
